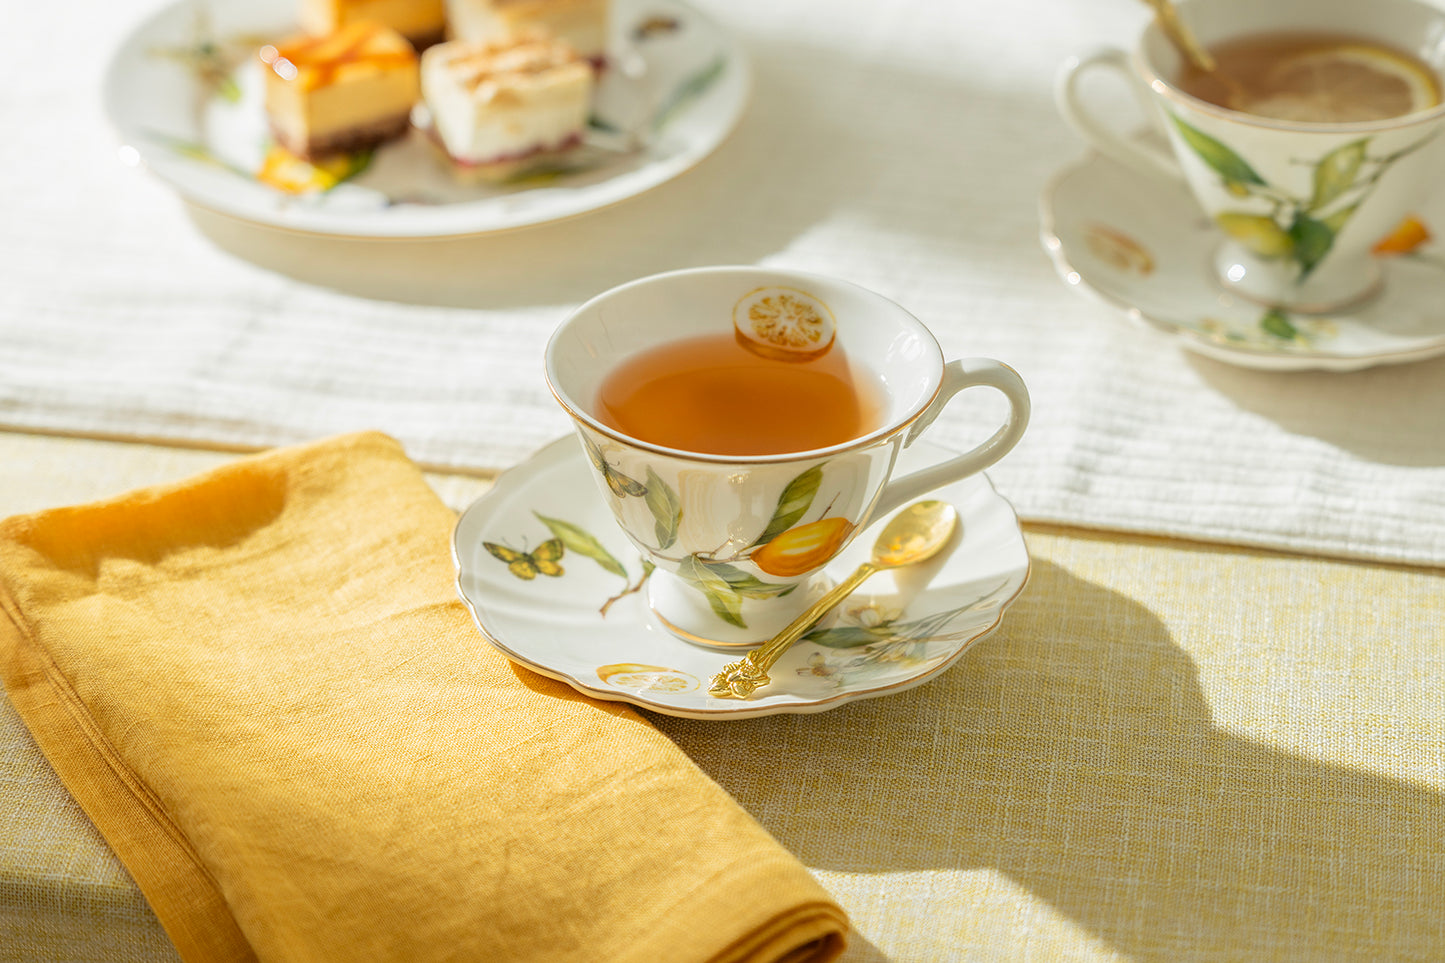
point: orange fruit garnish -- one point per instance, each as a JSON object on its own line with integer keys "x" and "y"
{"x": 784, "y": 323}
{"x": 285, "y": 171}
{"x": 1407, "y": 235}
{"x": 800, "y": 550}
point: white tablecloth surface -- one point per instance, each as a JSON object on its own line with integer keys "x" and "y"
{"x": 900, "y": 145}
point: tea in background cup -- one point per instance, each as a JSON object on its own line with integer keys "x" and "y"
{"x": 1319, "y": 132}
{"x": 742, "y": 425}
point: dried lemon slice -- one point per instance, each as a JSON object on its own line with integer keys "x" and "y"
{"x": 784, "y": 323}
{"x": 1344, "y": 84}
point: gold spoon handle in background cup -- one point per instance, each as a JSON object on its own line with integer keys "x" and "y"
{"x": 1101, "y": 130}
{"x": 740, "y": 679}
{"x": 1181, "y": 36}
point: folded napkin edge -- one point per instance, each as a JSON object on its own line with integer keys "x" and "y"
{"x": 766, "y": 923}
{"x": 185, "y": 897}
{"x": 14, "y": 526}
{"x": 179, "y": 890}
{"x": 807, "y": 933}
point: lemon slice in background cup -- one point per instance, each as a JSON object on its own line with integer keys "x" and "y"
{"x": 1345, "y": 84}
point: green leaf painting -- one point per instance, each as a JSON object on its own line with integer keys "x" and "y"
{"x": 725, "y": 587}
{"x": 726, "y": 604}
{"x": 879, "y": 648}
{"x": 582, "y": 543}
{"x": 848, "y": 636}
{"x": 793, "y": 504}
{"x": 1225, "y": 162}
{"x": 1312, "y": 241}
{"x": 1277, "y": 323}
{"x": 1337, "y": 220}
{"x": 748, "y": 586}
{"x": 1274, "y": 329}
{"x": 666, "y": 509}
{"x": 925, "y": 629}
{"x": 1336, "y": 173}
{"x": 691, "y": 88}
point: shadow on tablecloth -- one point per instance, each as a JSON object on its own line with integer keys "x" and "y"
{"x": 1393, "y": 415}
{"x": 1080, "y": 760}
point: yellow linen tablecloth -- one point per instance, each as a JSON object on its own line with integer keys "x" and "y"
{"x": 1168, "y": 750}
{"x": 261, "y": 687}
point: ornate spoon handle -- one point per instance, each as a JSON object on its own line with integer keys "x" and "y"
{"x": 740, "y": 679}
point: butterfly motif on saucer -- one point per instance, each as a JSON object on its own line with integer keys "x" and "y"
{"x": 526, "y": 565}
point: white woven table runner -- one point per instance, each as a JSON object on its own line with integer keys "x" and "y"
{"x": 900, "y": 145}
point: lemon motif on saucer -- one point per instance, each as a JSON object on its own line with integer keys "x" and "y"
{"x": 646, "y": 678}
{"x": 1118, "y": 249}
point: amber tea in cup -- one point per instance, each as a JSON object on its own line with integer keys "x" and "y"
{"x": 720, "y": 395}
{"x": 1313, "y": 77}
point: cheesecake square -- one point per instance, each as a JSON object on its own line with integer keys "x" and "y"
{"x": 421, "y": 22}
{"x": 500, "y": 106}
{"x": 581, "y": 23}
{"x": 340, "y": 93}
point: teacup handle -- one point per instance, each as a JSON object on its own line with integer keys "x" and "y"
{"x": 1142, "y": 157}
{"x": 958, "y": 375}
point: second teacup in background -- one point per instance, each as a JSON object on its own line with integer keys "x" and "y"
{"x": 1299, "y": 199}
{"x": 742, "y": 425}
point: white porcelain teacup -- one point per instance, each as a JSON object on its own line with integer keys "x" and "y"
{"x": 739, "y": 541}
{"x": 1299, "y": 205}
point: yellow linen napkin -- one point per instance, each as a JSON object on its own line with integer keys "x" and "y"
{"x": 260, "y": 685}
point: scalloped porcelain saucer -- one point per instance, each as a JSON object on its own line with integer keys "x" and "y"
{"x": 554, "y": 585}
{"x": 1142, "y": 245}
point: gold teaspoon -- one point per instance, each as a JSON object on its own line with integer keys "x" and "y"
{"x": 914, "y": 534}
{"x": 1181, "y": 36}
{"x": 1188, "y": 45}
